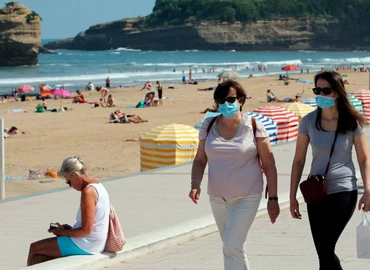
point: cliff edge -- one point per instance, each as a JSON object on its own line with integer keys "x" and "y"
{"x": 281, "y": 34}
{"x": 20, "y": 35}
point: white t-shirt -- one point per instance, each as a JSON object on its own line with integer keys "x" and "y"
{"x": 233, "y": 166}
{"x": 95, "y": 241}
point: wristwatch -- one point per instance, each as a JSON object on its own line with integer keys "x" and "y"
{"x": 273, "y": 198}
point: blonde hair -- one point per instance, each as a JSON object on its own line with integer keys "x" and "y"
{"x": 71, "y": 165}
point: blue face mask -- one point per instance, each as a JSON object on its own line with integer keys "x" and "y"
{"x": 229, "y": 110}
{"x": 325, "y": 102}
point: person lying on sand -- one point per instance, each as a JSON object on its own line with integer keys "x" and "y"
{"x": 213, "y": 109}
{"x": 207, "y": 89}
{"x": 120, "y": 117}
{"x": 271, "y": 97}
{"x": 99, "y": 103}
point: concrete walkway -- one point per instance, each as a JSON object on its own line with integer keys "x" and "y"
{"x": 153, "y": 207}
{"x": 286, "y": 245}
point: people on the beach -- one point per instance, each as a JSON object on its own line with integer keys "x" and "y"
{"x": 228, "y": 145}
{"x": 103, "y": 92}
{"x": 42, "y": 107}
{"x": 332, "y": 130}
{"x": 120, "y": 117}
{"x": 160, "y": 92}
{"x": 89, "y": 234}
{"x": 271, "y": 97}
{"x": 89, "y": 87}
{"x": 79, "y": 98}
{"x": 107, "y": 83}
{"x": 111, "y": 102}
{"x": 99, "y": 103}
{"x": 147, "y": 86}
{"x": 207, "y": 89}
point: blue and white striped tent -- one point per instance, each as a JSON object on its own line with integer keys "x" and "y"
{"x": 310, "y": 101}
{"x": 270, "y": 126}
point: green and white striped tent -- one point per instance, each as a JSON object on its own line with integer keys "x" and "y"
{"x": 356, "y": 103}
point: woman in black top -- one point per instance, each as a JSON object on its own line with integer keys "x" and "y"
{"x": 160, "y": 92}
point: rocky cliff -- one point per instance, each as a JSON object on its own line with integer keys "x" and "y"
{"x": 284, "y": 34}
{"x": 20, "y": 35}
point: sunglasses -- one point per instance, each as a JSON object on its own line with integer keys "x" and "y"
{"x": 228, "y": 100}
{"x": 68, "y": 182}
{"x": 318, "y": 90}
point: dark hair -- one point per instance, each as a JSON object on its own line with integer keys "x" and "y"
{"x": 223, "y": 89}
{"x": 349, "y": 117}
{"x": 43, "y": 99}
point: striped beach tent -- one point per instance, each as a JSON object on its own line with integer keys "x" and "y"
{"x": 287, "y": 121}
{"x": 364, "y": 96}
{"x": 168, "y": 145}
{"x": 311, "y": 102}
{"x": 356, "y": 103}
{"x": 300, "y": 109}
{"x": 270, "y": 126}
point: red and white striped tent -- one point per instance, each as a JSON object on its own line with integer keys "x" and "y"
{"x": 364, "y": 96}
{"x": 287, "y": 121}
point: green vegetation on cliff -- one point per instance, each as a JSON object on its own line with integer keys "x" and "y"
{"x": 177, "y": 12}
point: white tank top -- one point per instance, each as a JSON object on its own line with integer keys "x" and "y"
{"x": 95, "y": 241}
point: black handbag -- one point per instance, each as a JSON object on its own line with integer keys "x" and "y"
{"x": 314, "y": 188}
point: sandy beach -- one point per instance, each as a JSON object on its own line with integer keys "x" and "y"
{"x": 85, "y": 131}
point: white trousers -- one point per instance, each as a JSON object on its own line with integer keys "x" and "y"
{"x": 234, "y": 216}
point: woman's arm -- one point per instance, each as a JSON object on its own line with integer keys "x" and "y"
{"x": 268, "y": 162}
{"x": 88, "y": 201}
{"x": 364, "y": 163}
{"x": 197, "y": 171}
{"x": 296, "y": 173}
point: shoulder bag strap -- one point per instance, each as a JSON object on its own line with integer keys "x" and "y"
{"x": 211, "y": 124}
{"x": 331, "y": 152}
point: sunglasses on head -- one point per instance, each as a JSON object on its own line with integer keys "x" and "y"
{"x": 228, "y": 100}
{"x": 318, "y": 90}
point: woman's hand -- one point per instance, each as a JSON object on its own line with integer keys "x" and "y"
{"x": 294, "y": 209}
{"x": 58, "y": 230}
{"x": 273, "y": 210}
{"x": 194, "y": 194}
{"x": 364, "y": 202}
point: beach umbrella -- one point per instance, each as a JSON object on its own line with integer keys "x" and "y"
{"x": 270, "y": 126}
{"x": 290, "y": 67}
{"x": 356, "y": 103}
{"x": 45, "y": 90}
{"x": 300, "y": 109}
{"x": 304, "y": 80}
{"x": 286, "y": 120}
{"x": 25, "y": 89}
{"x": 168, "y": 145}
{"x": 62, "y": 94}
{"x": 228, "y": 74}
{"x": 311, "y": 102}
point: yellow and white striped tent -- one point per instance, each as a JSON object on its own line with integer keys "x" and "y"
{"x": 168, "y": 145}
{"x": 300, "y": 109}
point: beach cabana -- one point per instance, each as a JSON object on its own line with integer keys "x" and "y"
{"x": 287, "y": 121}
{"x": 364, "y": 96}
{"x": 168, "y": 145}
{"x": 311, "y": 102}
{"x": 300, "y": 109}
{"x": 356, "y": 103}
{"x": 270, "y": 126}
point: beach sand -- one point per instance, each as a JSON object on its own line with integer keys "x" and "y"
{"x": 85, "y": 131}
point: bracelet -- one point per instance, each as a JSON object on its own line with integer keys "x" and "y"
{"x": 273, "y": 198}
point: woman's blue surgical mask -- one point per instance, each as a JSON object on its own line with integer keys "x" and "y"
{"x": 325, "y": 102}
{"x": 229, "y": 110}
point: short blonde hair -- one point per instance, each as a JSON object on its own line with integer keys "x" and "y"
{"x": 71, "y": 165}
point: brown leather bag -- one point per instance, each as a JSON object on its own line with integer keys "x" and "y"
{"x": 314, "y": 188}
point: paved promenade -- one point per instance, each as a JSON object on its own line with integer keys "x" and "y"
{"x": 286, "y": 245}
{"x": 153, "y": 207}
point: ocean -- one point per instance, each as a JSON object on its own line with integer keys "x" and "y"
{"x": 127, "y": 67}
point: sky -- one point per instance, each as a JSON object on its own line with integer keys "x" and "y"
{"x": 66, "y": 18}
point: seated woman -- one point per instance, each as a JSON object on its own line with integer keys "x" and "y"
{"x": 89, "y": 235}
{"x": 79, "y": 98}
{"x": 42, "y": 107}
{"x": 99, "y": 103}
{"x": 149, "y": 99}
{"x": 119, "y": 117}
{"x": 271, "y": 97}
{"x": 111, "y": 102}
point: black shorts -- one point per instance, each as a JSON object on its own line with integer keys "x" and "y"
{"x": 160, "y": 94}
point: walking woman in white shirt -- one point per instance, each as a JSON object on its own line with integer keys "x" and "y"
{"x": 89, "y": 234}
{"x": 228, "y": 144}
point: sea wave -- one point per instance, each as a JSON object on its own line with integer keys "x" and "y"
{"x": 351, "y": 60}
{"x": 127, "y": 49}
